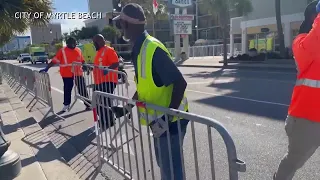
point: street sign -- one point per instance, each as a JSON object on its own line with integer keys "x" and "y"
{"x": 182, "y": 3}
{"x": 182, "y": 27}
{"x": 185, "y": 17}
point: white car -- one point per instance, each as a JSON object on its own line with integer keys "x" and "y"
{"x": 24, "y": 57}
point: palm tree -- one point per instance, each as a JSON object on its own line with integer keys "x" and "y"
{"x": 279, "y": 27}
{"x": 11, "y": 26}
{"x": 221, "y": 9}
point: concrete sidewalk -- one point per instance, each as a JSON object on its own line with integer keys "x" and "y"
{"x": 39, "y": 157}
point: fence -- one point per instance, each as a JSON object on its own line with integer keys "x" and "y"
{"x": 86, "y": 85}
{"x": 209, "y": 50}
{"x": 34, "y": 83}
{"x": 189, "y": 162}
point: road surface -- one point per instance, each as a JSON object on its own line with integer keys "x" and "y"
{"x": 252, "y": 104}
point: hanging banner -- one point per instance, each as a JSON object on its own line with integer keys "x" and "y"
{"x": 182, "y": 3}
{"x": 182, "y": 27}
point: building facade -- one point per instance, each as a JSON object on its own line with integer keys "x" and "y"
{"x": 106, "y": 7}
{"x": 259, "y": 27}
{"x": 16, "y": 43}
{"x": 46, "y": 34}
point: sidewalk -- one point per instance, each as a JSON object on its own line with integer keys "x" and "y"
{"x": 39, "y": 157}
{"x": 215, "y": 62}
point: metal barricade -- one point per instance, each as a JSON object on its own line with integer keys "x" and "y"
{"x": 42, "y": 90}
{"x": 28, "y": 83}
{"x": 86, "y": 85}
{"x": 194, "y": 161}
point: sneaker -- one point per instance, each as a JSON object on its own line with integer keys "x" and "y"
{"x": 65, "y": 108}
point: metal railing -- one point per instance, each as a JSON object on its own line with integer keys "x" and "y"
{"x": 179, "y": 152}
{"x": 31, "y": 82}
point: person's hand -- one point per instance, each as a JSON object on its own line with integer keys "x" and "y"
{"x": 105, "y": 71}
{"x": 121, "y": 111}
{"x": 318, "y": 7}
{"x": 44, "y": 70}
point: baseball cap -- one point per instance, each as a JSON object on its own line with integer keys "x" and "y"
{"x": 132, "y": 13}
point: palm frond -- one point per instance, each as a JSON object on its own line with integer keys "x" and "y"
{"x": 10, "y": 24}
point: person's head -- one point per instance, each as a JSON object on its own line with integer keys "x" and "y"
{"x": 132, "y": 21}
{"x": 98, "y": 41}
{"x": 71, "y": 42}
{"x": 310, "y": 14}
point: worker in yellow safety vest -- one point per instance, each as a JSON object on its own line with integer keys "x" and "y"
{"x": 158, "y": 82}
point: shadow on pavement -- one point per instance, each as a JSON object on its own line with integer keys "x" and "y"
{"x": 267, "y": 99}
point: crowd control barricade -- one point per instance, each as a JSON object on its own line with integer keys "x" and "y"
{"x": 42, "y": 91}
{"x": 28, "y": 83}
{"x": 85, "y": 87}
{"x": 196, "y": 157}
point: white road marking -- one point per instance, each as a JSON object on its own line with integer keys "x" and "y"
{"x": 61, "y": 92}
{"x": 234, "y": 97}
{"x": 240, "y": 98}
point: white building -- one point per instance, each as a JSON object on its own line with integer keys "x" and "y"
{"x": 16, "y": 43}
{"x": 263, "y": 16}
{"x": 106, "y": 7}
{"x": 46, "y": 34}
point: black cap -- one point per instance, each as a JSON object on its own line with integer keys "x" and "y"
{"x": 132, "y": 13}
{"x": 309, "y": 14}
{"x": 311, "y": 9}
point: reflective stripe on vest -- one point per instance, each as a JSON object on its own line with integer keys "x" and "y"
{"x": 152, "y": 117}
{"x": 308, "y": 82}
{"x": 102, "y": 55}
{"x": 143, "y": 58}
{"x": 64, "y": 59}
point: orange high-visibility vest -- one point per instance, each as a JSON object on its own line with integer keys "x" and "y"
{"x": 105, "y": 56}
{"x": 305, "y": 101}
{"x": 65, "y": 57}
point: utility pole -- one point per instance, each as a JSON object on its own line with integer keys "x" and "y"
{"x": 197, "y": 21}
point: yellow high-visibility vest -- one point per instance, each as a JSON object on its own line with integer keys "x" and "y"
{"x": 146, "y": 88}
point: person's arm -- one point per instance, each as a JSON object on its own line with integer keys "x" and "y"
{"x": 112, "y": 59}
{"x": 55, "y": 60}
{"x": 169, "y": 74}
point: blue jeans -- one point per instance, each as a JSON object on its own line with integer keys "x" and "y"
{"x": 163, "y": 150}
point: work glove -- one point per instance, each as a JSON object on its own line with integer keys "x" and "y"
{"x": 44, "y": 70}
{"x": 121, "y": 111}
{"x": 318, "y": 7}
{"x": 160, "y": 126}
{"x": 105, "y": 72}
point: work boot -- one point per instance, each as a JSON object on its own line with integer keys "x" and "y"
{"x": 65, "y": 108}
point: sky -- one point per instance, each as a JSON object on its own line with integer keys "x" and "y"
{"x": 68, "y": 25}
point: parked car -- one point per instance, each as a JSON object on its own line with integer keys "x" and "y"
{"x": 25, "y": 57}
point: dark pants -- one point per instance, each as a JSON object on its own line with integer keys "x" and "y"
{"x": 82, "y": 88}
{"x": 67, "y": 89}
{"x": 105, "y": 113}
{"x": 68, "y": 85}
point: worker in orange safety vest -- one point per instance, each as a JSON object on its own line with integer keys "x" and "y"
{"x": 105, "y": 80}
{"x": 65, "y": 57}
{"x": 303, "y": 121}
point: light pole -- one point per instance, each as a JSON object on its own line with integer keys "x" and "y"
{"x": 197, "y": 20}
{"x": 10, "y": 163}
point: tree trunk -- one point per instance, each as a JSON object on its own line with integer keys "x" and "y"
{"x": 280, "y": 29}
{"x": 224, "y": 25}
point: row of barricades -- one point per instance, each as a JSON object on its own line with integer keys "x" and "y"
{"x": 31, "y": 82}
{"x": 134, "y": 152}
{"x": 117, "y": 129}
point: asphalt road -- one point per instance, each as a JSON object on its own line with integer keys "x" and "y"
{"x": 252, "y": 104}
